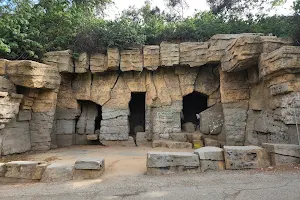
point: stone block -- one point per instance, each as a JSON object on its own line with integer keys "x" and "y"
{"x": 93, "y": 137}
{"x": 64, "y": 140}
{"x": 98, "y": 63}
{"x": 242, "y": 53}
{"x": 169, "y": 54}
{"x": 58, "y": 173}
{"x": 90, "y": 164}
{"x": 171, "y": 144}
{"x": 24, "y": 115}
{"x": 212, "y": 120}
{"x": 60, "y": 59}
{"x": 66, "y": 127}
{"x": 82, "y": 63}
{"x": 211, "y": 142}
{"x": 81, "y": 86}
{"x": 245, "y": 157}
{"x": 173, "y": 170}
{"x": 3, "y": 63}
{"x": 2, "y": 169}
{"x": 193, "y": 53}
{"x": 172, "y": 159}
{"x": 142, "y": 138}
{"x": 281, "y": 154}
{"x": 179, "y": 137}
{"x": 87, "y": 174}
{"x": 210, "y": 153}
{"x": 151, "y": 57}
{"x": 131, "y": 60}
{"x": 33, "y": 74}
{"x": 113, "y": 58}
{"x": 272, "y": 43}
{"x": 212, "y": 165}
{"x": 25, "y": 169}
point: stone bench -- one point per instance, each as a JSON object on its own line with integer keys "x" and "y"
{"x": 281, "y": 154}
{"x": 245, "y": 157}
{"x": 211, "y": 158}
{"x": 172, "y": 162}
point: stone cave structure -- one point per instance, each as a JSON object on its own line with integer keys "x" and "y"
{"x": 245, "y": 88}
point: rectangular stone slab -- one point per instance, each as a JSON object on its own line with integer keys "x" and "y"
{"x": 210, "y": 153}
{"x": 90, "y": 164}
{"x": 245, "y": 157}
{"x": 172, "y": 159}
{"x": 283, "y": 149}
{"x": 25, "y": 169}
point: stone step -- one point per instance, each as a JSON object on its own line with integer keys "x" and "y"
{"x": 171, "y": 144}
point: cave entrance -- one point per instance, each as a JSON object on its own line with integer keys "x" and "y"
{"x": 193, "y": 104}
{"x": 90, "y": 118}
{"x": 137, "y": 112}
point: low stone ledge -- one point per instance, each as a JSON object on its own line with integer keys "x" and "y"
{"x": 25, "y": 169}
{"x": 58, "y": 173}
{"x": 171, "y": 144}
{"x": 90, "y": 164}
{"x": 245, "y": 157}
{"x": 160, "y": 163}
{"x": 210, "y": 153}
{"x": 281, "y": 154}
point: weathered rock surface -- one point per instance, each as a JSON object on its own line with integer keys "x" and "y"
{"x": 212, "y": 165}
{"x": 82, "y": 63}
{"x": 211, "y": 142}
{"x": 270, "y": 64}
{"x": 207, "y": 82}
{"x": 90, "y": 164}
{"x": 193, "y": 53}
{"x": 93, "y": 137}
{"x": 60, "y": 59}
{"x": 171, "y": 144}
{"x": 210, "y": 153}
{"x": 131, "y": 60}
{"x": 25, "y": 169}
{"x": 169, "y": 54}
{"x": 242, "y": 53}
{"x": 2, "y": 169}
{"x": 212, "y": 120}
{"x": 172, "y": 159}
{"x": 151, "y": 57}
{"x": 81, "y": 86}
{"x": 282, "y": 154}
{"x": 272, "y": 43}
{"x": 98, "y": 63}
{"x": 246, "y": 157}
{"x": 179, "y": 137}
{"x": 113, "y": 58}
{"x": 58, "y": 173}
{"x": 33, "y": 74}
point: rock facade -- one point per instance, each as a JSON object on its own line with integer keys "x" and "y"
{"x": 250, "y": 83}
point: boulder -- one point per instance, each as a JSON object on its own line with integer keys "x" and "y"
{"x": 242, "y": 53}
{"x": 32, "y": 74}
{"x": 245, "y": 157}
{"x": 60, "y": 59}
{"x": 131, "y": 60}
{"x": 169, "y": 54}
{"x": 98, "y": 63}
{"x": 282, "y": 154}
{"x": 210, "y": 153}
{"x": 90, "y": 164}
{"x": 193, "y": 53}
{"x": 25, "y": 169}
{"x": 151, "y": 57}
{"x": 212, "y": 120}
{"x": 58, "y": 173}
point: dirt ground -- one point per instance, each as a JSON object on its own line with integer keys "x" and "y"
{"x": 119, "y": 160}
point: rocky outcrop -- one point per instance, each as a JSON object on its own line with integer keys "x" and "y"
{"x": 131, "y": 60}
{"x": 62, "y": 60}
{"x": 193, "y": 53}
{"x": 151, "y": 57}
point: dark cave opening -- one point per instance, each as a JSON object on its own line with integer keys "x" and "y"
{"x": 137, "y": 112}
{"x": 193, "y": 104}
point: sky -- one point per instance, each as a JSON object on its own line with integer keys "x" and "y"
{"x": 194, "y": 5}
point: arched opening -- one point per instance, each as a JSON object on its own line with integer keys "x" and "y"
{"x": 137, "y": 112}
{"x": 193, "y": 104}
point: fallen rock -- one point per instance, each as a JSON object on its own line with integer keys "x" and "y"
{"x": 245, "y": 157}
{"x": 282, "y": 154}
{"x": 171, "y": 144}
{"x": 212, "y": 120}
{"x": 210, "y": 153}
{"x": 91, "y": 164}
{"x": 58, "y": 173}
